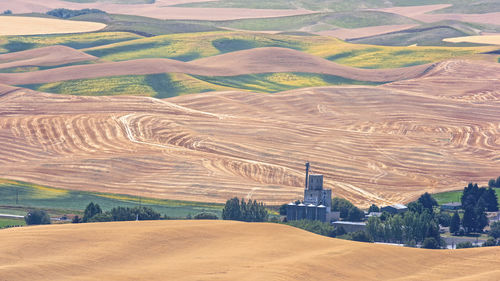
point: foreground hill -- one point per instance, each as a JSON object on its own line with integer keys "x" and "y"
{"x": 381, "y": 145}
{"x": 222, "y": 250}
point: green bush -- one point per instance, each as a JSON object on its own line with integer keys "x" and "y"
{"x": 317, "y": 227}
{"x": 206, "y": 216}
{"x": 430, "y": 243}
{"x": 466, "y": 244}
{"x": 37, "y": 217}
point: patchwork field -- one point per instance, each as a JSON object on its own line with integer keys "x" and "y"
{"x": 381, "y": 145}
{"x": 223, "y": 250}
{"x": 19, "y": 197}
{"x": 31, "y": 26}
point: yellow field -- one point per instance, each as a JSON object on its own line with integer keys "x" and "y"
{"x": 482, "y": 39}
{"x": 222, "y": 250}
{"x": 31, "y": 26}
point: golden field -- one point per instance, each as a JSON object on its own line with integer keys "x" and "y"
{"x": 29, "y": 26}
{"x": 382, "y": 144}
{"x": 223, "y": 250}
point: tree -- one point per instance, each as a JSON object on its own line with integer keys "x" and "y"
{"x": 232, "y": 210}
{"x": 455, "y": 223}
{"x": 492, "y": 183}
{"x": 430, "y": 243}
{"x": 90, "y": 211}
{"x": 427, "y": 201}
{"x": 373, "y": 208}
{"x": 7, "y": 12}
{"x": 491, "y": 200}
{"x": 341, "y": 205}
{"x": 444, "y": 219}
{"x": 495, "y": 230}
{"x": 37, "y": 217}
{"x": 355, "y": 214}
{"x": 76, "y": 219}
{"x": 206, "y": 216}
{"x": 282, "y": 209}
{"x": 360, "y": 236}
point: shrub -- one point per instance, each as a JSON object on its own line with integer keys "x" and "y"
{"x": 490, "y": 242}
{"x": 495, "y": 230}
{"x": 37, "y": 217}
{"x": 206, "y": 216}
{"x": 360, "y": 236}
{"x": 430, "y": 243}
{"x": 466, "y": 244}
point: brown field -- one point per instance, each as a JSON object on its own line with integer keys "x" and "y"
{"x": 31, "y": 26}
{"x": 223, "y": 250}
{"x": 379, "y": 145}
{"x": 261, "y": 60}
{"x": 483, "y": 39}
{"x": 420, "y": 13}
{"x": 46, "y": 56}
{"x": 351, "y": 33}
{"x": 160, "y": 10}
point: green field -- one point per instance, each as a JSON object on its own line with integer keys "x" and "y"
{"x": 277, "y": 82}
{"x": 166, "y": 85}
{"x": 454, "y": 196}
{"x": 6, "y": 222}
{"x": 77, "y": 41}
{"x": 161, "y": 85}
{"x": 67, "y": 201}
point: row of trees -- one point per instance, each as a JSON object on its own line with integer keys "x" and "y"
{"x": 483, "y": 198}
{"x": 494, "y": 183}
{"x": 250, "y": 211}
{"x": 94, "y": 213}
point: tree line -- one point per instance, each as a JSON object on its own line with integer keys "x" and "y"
{"x": 251, "y": 211}
{"x": 67, "y": 13}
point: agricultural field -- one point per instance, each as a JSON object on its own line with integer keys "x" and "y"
{"x": 454, "y": 196}
{"x": 10, "y": 44}
{"x": 187, "y": 47}
{"x": 152, "y": 85}
{"x": 15, "y": 195}
{"x": 223, "y": 250}
{"x": 7, "y": 222}
{"x": 31, "y": 25}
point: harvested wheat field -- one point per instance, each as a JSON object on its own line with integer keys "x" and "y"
{"x": 46, "y": 56}
{"x": 480, "y": 39}
{"x": 381, "y": 145}
{"x": 223, "y": 250}
{"x": 259, "y": 60}
{"x": 31, "y": 26}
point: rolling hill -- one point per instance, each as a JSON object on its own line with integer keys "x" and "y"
{"x": 383, "y": 144}
{"x": 222, "y": 250}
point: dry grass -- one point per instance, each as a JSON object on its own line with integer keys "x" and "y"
{"x": 373, "y": 144}
{"x": 222, "y": 250}
{"x": 31, "y": 26}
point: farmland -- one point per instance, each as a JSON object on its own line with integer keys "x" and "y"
{"x": 454, "y": 196}
{"x": 25, "y": 196}
{"x": 223, "y": 250}
{"x": 31, "y": 26}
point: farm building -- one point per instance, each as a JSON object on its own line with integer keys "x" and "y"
{"x": 394, "y": 209}
{"x": 317, "y": 201}
{"x": 451, "y": 206}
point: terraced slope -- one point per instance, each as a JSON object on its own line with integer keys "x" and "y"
{"x": 222, "y": 250}
{"x": 260, "y": 60}
{"x": 47, "y": 56}
{"x": 379, "y": 145}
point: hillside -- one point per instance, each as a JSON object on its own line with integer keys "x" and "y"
{"x": 381, "y": 144}
{"x": 259, "y": 60}
{"x": 30, "y": 26}
{"x": 222, "y": 250}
